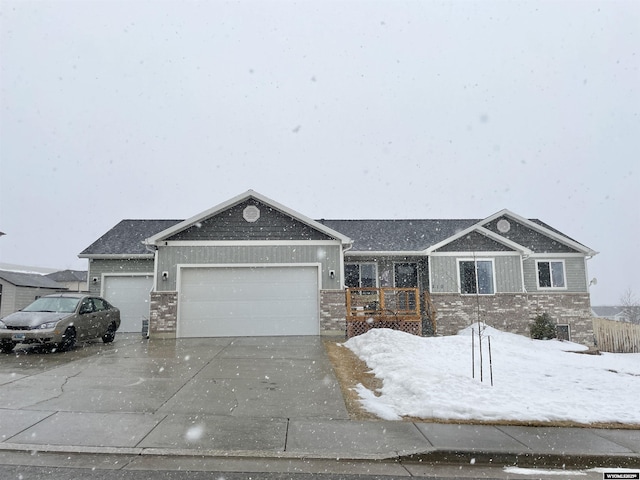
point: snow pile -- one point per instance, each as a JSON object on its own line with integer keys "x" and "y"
{"x": 534, "y": 380}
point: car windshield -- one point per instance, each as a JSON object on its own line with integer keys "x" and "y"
{"x": 53, "y": 304}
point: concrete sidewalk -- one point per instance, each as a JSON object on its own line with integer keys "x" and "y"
{"x": 264, "y": 398}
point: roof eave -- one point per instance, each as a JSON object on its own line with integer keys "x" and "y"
{"x": 386, "y": 253}
{"x": 116, "y": 256}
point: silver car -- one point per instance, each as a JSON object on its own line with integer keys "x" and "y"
{"x": 59, "y": 320}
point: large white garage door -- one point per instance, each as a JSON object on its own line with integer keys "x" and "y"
{"x": 248, "y": 301}
{"x": 131, "y": 295}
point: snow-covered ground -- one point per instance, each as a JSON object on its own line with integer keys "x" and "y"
{"x": 533, "y": 380}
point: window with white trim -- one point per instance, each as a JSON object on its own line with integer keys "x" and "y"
{"x": 360, "y": 275}
{"x": 476, "y": 277}
{"x": 551, "y": 274}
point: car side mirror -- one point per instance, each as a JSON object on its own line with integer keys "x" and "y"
{"x": 84, "y": 309}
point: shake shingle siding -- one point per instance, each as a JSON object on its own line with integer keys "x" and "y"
{"x": 475, "y": 242}
{"x": 529, "y": 238}
{"x": 230, "y": 225}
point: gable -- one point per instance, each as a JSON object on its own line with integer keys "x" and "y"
{"x": 475, "y": 242}
{"x": 231, "y": 224}
{"x": 528, "y": 237}
{"x": 249, "y": 216}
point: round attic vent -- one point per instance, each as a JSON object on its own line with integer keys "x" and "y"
{"x": 504, "y": 226}
{"x": 251, "y": 213}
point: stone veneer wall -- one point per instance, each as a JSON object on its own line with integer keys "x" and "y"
{"x": 333, "y": 312}
{"x": 163, "y": 314}
{"x": 515, "y": 312}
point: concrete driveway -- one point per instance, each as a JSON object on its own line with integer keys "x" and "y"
{"x": 214, "y": 393}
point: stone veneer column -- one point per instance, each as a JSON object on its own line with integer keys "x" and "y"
{"x": 333, "y": 312}
{"x": 163, "y": 314}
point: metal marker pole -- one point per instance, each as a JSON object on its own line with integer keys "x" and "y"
{"x": 490, "y": 361}
{"x": 473, "y": 354}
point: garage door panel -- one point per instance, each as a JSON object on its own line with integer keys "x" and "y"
{"x": 131, "y": 295}
{"x": 238, "y": 301}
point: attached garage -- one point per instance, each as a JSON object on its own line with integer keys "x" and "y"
{"x": 237, "y": 300}
{"x": 130, "y": 293}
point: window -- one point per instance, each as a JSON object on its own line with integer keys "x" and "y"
{"x": 476, "y": 277}
{"x": 551, "y": 274}
{"x": 563, "y": 332}
{"x": 360, "y": 275}
{"x": 405, "y": 275}
{"x": 99, "y": 304}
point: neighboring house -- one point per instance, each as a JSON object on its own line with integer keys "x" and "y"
{"x": 73, "y": 280}
{"x": 620, "y": 314}
{"x": 19, "y": 289}
{"x": 251, "y": 266}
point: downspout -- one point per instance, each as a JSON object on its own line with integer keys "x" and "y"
{"x": 523, "y": 257}
{"x": 345, "y": 249}
{"x": 588, "y": 282}
{"x": 153, "y": 249}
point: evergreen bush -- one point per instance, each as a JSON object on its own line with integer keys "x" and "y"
{"x": 543, "y": 327}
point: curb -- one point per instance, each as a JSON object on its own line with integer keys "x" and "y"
{"x": 435, "y": 456}
{"x": 524, "y": 459}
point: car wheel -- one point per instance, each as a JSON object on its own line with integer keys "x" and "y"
{"x": 110, "y": 334}
{"x": 7, "y": 346}
{"x": 68, "y": 340}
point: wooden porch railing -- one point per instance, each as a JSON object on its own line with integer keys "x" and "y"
{"x": 397, "y": 308}
{"x": 383, "y": 304}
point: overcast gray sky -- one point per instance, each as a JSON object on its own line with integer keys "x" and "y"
{"x": 350, "y": 109}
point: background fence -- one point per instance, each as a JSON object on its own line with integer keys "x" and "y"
{"x": 617, "y": 337}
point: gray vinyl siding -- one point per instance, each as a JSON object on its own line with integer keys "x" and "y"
{"x": 328, "y": 255}
{"x": 575, "y": 273}
{"x": 97, "y": 267}
{"x": 230, "y": 225}
{"x": 444, "y": 273}
{"x": 508, "y": 272}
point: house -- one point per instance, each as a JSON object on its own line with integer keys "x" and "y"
{"x": 629, "y": 313}
{"x": 251, "y": 266}
{"x": 73, "y": 280}
{"x": 19, "y": 289}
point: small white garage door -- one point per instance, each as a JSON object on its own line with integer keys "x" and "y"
{"x": 248, "y": 301}
{"x": 131, "y": 295}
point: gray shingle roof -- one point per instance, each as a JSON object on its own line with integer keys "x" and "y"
{"x": 22, "y": 279}
{"x": 397, "y": 235}
{"x": 68, "y": 276}
{"x": 127, "y": 236}
{"x": 368, "y": 235}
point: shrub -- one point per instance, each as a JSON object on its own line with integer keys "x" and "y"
{"x": 543, "y": 328}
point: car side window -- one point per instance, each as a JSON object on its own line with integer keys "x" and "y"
{"x": 99, "y": 304}
{"x": 87, "y": 306}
